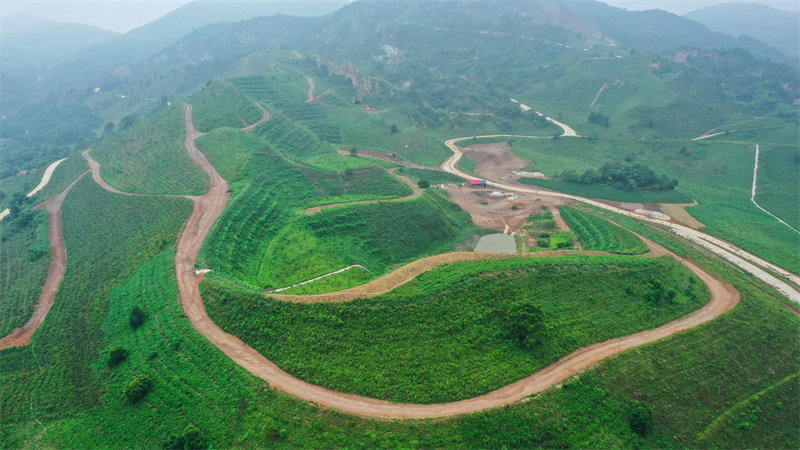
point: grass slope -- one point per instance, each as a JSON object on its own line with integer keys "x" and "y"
{"x": 377, "y": 236}
{"x": 724, "y": 360}
{"x": 107, "y": 236}
{"x": 24, "y": 260}
{"x": 220, "y": 104}
{"x": 401, "y": 346}
{"x": 150, "y": 157}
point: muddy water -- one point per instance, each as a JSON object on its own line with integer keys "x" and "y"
{"x": 497, "y": 243}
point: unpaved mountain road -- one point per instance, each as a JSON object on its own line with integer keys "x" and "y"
{"x": 55, "y": 273}
{"x": 210, "y": 205}
{"x": 744, "y": 260}
{"x": 265, "y": 117}
{"x": 417, "y": 192}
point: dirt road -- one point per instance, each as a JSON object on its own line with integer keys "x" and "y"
{"x": 310, "y": 97}
{"x": 58, "y": 267}
{"x": 742, "y": 259}
{"x": 48, "y": 173}
{"x": 411, "y": 270}
{"x": 94, "y": 167}
{"x": 417, "y": 192}
{"x": 263, "y": 119}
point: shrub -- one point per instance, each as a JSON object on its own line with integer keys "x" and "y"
{"x": 424, "y": 184}
{"x": 138, "y": 388}
{"x": 525, "y": 322}
{"x": 137, "y": 317}
{"x": 190, "y": 439}
{"x": 116, "y": 355}
{"x": 640, "y": 418}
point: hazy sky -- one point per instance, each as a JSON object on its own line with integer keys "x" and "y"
{"x": 124, "y": 15}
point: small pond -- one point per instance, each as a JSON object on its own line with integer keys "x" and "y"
{"x": 497, "y": 243}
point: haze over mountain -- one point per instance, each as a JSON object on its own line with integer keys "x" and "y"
{"x": 779, "y": 29}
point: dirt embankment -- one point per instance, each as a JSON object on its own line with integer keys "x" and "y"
{"x": 55, "y": 273}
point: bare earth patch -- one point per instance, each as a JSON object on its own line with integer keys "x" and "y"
{"x": 501, "y": 212}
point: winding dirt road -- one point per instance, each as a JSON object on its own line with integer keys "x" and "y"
{"x": 263, "y": 119}
{"x": 417, "y": 192}
{"x": 210, "y": 205}
{"x": 55, "y": 273}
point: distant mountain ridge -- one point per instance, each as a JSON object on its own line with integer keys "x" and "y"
{"x": 779, "y": 29}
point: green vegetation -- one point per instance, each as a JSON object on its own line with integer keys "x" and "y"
{"x": 150, "y": 157}
{"x": 641, "y": 418}
{"x": 339, "y": 163}
{"x": 137, "y": 317}
{"x": 117, "y": 355}
{"x": 271, "y": 192}
{"x": 138, "y": 388}
{"x": 431, "y": 176}
{"x": 621, "y": 175}
{"x": 24, "y": 259}
{"x": 599, "y": 234}
{"x": 462, "y": 309}
{"x": 609, "y": 193}
{"x": 344, "y": 280}
{"x": 222, "y": 105}
{"x": 778, "y": 178}
{"x": 562, "y": 240}
{"x": 377, "y": 236}
{"x": 107, "y": 236}
{"x": 718, "y": 175}
{"x": 65, "y": 173}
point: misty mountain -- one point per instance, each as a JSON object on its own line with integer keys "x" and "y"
{"x": 657, "y": 30}
{"x": 779, "y": 29}
{"x": 428, "y": 50}
{"x": 32, "y": 42}
{"x": 140, "y": 43}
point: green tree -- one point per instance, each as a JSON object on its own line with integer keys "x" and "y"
{"x": 138, "y": 388}
{"x": 525, "y": 322}
{"x": 640, "y": 418}
{"x": 137, "y": 317}
{"x": 424, "y": 184}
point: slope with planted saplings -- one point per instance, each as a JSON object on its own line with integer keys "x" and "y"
{"x": 504, "y": 318}
{"x": 118, "y": 362}
{"x": 599, "y": 234}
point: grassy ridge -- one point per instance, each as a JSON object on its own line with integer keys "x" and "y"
{"x": 599, "y": 234}
{"x": 400, "y": 346}
{"x": 24, "y": 260}
{"x": 270, "y": 193}
{"x": 150, "y": 157}
{"x": 376, "y": 236}
{"x": 107, "y": 236}
{"x": 222, "y": 105}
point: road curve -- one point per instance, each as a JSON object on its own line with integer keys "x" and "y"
{"x": 417, "y": 192}
{"x": 55, "y": 273}
{"x": 742, "y": 259}
{"x": 210, "y": 205}
{"x": 265, "y": 117}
